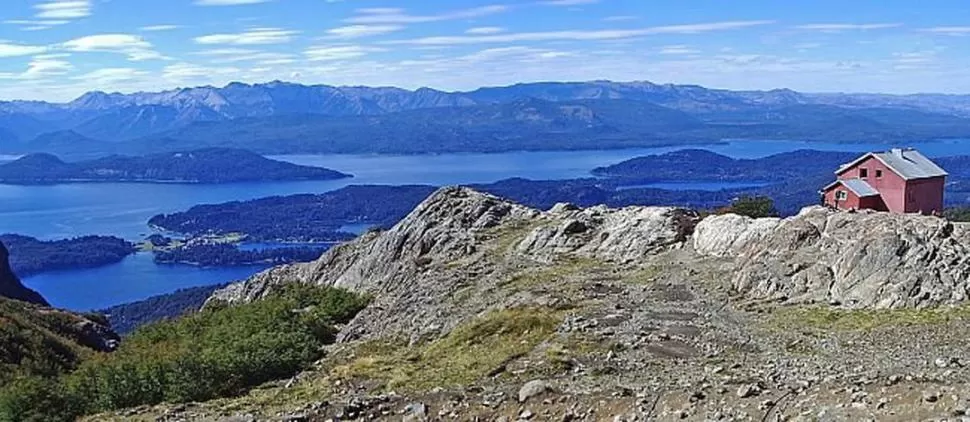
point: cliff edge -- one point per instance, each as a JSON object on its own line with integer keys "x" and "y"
{"x": 10, "y": 285}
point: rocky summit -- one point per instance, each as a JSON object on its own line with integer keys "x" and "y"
{"x": 483, "y": 309}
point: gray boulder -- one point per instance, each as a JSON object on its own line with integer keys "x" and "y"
{"x": 873, "y": 260}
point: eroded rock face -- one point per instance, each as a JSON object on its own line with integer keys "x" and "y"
{"x": 615, "y": 234}
{"x": 729, "y": 235}
{"x": 10, "y": 285}
{"x": 871, "y": 260}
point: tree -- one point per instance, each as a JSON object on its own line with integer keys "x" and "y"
{"x": 752, "y": 206}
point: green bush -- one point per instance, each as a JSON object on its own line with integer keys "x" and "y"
{"x": 958, "y": 214}
{"x": 752, "y": 206}
{"x": 36, "y": 399}
{"x": 215, "y": 353}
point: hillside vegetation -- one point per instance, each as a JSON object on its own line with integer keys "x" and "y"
{"x": 220, "y": 352}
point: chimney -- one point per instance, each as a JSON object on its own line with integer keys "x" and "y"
{"x": 897, "y": 152}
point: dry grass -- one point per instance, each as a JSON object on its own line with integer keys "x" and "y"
{"x": 467, "y": 354}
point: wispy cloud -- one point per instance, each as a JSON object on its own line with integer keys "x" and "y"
{"x": 134, "y": 46}
{"x": 620, "y": 18}
{"x": 42, "y": 67}
{"x": 252, "y": 37}
{"x": 155, "y": 28}
{"x": 360, "y": 31}
{"x": 583, "y": 35}
{"x": 568, "y": 2}
{"x": 228, "y": 2}
{"x": 53, "y": 13}
{"x": 15, "y": 50}
{"x": 340, "y": 52}
{"x": 110, "y": 75}
{"x": 677, "y": 49}
{"x": 234, "y": 55}
{"x": 838, "y": 27}
{"x": 399, "y": 16}
{"x": 485, "y": 30}
{"x": 949, "y": 30}
{"x": 61, "y": 9}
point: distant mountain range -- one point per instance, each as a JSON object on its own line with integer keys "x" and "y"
{"x": 210, "y": 165}
{"x": 281, "y": 117}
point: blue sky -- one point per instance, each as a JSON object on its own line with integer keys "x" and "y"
{"x": 58, "y": 49}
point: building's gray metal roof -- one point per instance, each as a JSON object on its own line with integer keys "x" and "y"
{"x": 907, "y": 163}
{"x": 860, "y": 187}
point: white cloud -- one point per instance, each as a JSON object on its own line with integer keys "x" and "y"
{"x": 15, "y": 50}
{"x": 677, "y": 49}
{"x": 41, "y": 67}
{"x": 399, "y": 16}
{"x": 228, "y": 2}
{"x": 620, "y": 18}
{"x": 583, "y": 35}
{"x": 179, "y": 72}
{"x": 339, "y": 52}
{"x": 485, "y": 30}
{"x": 110, "y": 75}
{"x": 154, "y": 28}
{"x": 837, "y": 27}
{"x": 63, "y": 9}
{"x": 568, "y": 2}
{"x": 134, "y": 46}
{"x": 360, "y": 31}
{"x": 107, "y": 42}
{"x": 949, "y": 30}
{"x": 255, "y": 36}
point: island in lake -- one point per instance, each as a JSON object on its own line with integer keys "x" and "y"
{"x": 30, "y": 256}
{"x": 210, "y": 165}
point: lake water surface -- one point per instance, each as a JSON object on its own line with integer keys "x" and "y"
{"x": 122, "y": 209}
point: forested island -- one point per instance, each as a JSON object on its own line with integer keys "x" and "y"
{"x": 211, "y": 165}
{"x": 29, "y": 256}
{"x": 230, "y": 254}
{"x": 298, "y": 218}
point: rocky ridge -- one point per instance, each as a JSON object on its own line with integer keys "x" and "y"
{"x": 487, "y": 310}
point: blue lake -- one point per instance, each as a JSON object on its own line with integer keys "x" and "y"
{"x": 59, "y": 211}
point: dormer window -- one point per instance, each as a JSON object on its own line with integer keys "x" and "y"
{"x": 863, "y": 173}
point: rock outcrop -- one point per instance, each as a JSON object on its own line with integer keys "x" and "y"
{"x": 616, "y": 234}
{"x": 10, "y": 285}
{"x": 460, "y": 239}
{"x": 858, "y": 260}
{"x": 729, "y": 235}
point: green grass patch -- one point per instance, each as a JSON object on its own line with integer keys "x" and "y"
{"x": 645, "y": 275}
{"x": 469, "y": 353}
{"x": 558, "y": 271}
{"x": 511, "y": 234}
{"x": 822, "y": 318}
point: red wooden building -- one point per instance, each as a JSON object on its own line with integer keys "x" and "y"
{"x": 899, "y": 181}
